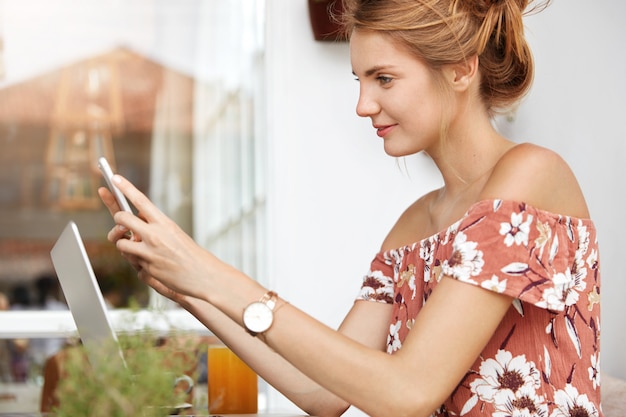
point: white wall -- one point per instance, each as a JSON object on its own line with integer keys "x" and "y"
{"x": 333, "y": 193}
{"x": 577, "y": 107}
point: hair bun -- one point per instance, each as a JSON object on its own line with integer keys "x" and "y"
{"x": 481, "y": 7}
{"x": 450, "y": 31}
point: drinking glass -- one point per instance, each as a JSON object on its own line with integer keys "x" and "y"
{"x": 232, "y": 385}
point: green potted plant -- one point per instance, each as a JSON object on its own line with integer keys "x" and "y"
{"x": 146, "y": 386}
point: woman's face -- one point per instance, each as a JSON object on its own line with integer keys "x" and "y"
{"x": 398, "y": 92}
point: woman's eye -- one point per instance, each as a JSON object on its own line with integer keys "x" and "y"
{"x": 383, "y": 79}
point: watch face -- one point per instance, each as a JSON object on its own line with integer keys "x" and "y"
{"x": 258, "y": 317}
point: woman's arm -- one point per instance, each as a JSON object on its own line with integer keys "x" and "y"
{"x": 279, "y": 373}
{"x": 303, "y": 392}
{"x": 446, "y": 338}
{"x": 366, "y": 323}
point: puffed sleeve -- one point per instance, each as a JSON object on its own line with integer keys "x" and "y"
{"x": 512, "y": 248}
{"x": 378, "y": 282}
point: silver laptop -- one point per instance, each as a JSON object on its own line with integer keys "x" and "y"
{"x": 87, "y": 305}
{"x": 84, "y": 297}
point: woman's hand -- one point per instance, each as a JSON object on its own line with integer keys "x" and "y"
{"x": 180, "y": 299}
{"x": 165, "y": 257}
{"x": 114, "y": 235}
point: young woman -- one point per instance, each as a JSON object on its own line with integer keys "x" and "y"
{"x": 484, "y": 298}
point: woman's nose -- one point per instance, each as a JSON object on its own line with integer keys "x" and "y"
{"x": 366, "y": 106}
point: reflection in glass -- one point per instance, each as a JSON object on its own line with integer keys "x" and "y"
{"x": 170, "y": 92}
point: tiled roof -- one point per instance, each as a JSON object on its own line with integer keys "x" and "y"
{"x": 140, "y": 81}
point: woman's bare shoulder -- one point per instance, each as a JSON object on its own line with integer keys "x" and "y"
{"x": 537, "y": 176}
{"x": 412, "y": 225}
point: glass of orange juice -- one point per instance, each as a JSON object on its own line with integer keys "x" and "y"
{"x": 232, "y": 385}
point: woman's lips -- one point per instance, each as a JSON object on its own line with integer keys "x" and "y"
{"x": 384, "y": 130}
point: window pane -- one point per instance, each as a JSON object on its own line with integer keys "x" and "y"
{"x": 169, "y": 92}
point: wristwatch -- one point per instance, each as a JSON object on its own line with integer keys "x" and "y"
{"x": 259, "y": 315}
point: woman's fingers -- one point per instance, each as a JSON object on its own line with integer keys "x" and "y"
{"x": 159, "y": 250}
{"x": 159, "y": 287}
{"x": 116, "y": 233}
{"x": 134, "y": 263}
{"x": 147, "y": 210}
{"x": 147, "y": 214}
{"x": 144, "y": 257}
{"x": 109, "y": 200}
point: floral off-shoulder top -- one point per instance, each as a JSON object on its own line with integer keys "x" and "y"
{"x": 544, "y": 358}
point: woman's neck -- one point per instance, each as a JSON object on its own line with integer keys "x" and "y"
{"x": 466, "y": 163}
{"x": 469, "y": 152}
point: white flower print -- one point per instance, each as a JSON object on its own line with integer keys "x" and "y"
{"x": 504, "y": 373}
{"x": 413, "y": 287}
{"x": 534, "y": 256}
{"x": 523, "y": 403}
{"x": 377, "y": 286}
{"x": 565, "y": 291}
{"x": 571, "y": 285}
{"x": 578, "y": 283}
{"x": 551, "y": 300}
{"x": 592, "y": 259}
{"x": 494, "y": 284}
{"x": 570, "y": 403}
{"x": 427, "y": 273}
{"x": 579, "y": 268}
{"x": 554, "y": 249}
{"x": 547, "y": 368}
{"x": 583, "y": 238}
{"x": 466, "y": 261}
{"x": 594, "y": 370}
{"x": 427, "y": 250}
{"x": 393, "y": 339}
{"x": 394, "y": 257}
{"x": 427, "y": 253}
{"x": 517, "y": 230}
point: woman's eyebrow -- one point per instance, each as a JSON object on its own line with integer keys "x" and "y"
{"x": 374, "y": 70}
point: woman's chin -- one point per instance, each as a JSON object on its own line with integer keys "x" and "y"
{"x": 396, "y": 152}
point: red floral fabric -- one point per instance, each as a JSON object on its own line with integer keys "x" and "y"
{"x": 544, "y": 358}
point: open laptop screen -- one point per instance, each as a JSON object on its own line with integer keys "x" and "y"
{"x": 83, "y": 294}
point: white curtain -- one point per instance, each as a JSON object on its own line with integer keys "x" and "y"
{"x": 212, "y": 183}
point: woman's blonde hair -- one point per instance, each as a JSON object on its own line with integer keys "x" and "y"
{"x": 443, "y": 32}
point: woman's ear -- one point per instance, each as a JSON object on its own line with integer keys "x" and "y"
{"x": 462, "y": 75}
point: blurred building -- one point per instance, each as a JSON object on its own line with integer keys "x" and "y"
{"x": 52, "y": 129}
